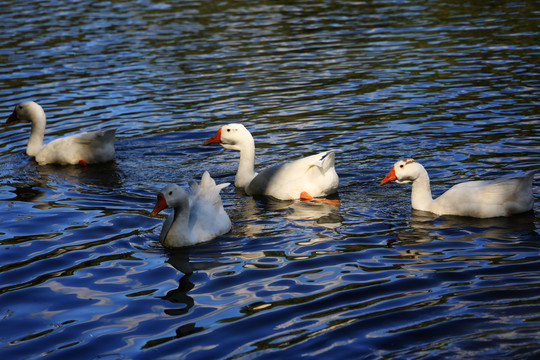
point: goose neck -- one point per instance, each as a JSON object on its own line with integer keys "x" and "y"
{"x": 421, "y": 198}
{"x": 246, "y": 167}
{"x": 35, "y": 142}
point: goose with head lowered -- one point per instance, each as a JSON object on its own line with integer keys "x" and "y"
{"x": 306, "y": 178}
{"x": 84, "y": 148}
{"x": 481, "y": 199}
{"x": 198, "y": 214}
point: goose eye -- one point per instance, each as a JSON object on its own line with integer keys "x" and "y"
{"x": 401, "y": 165}
{"x": 170, "y": 192}
{"x": 228, "y": 130}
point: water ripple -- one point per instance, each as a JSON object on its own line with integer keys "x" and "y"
{"x": 451, "y": 84}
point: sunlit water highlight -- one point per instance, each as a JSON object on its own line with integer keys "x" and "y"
{"x": 453, "y": 85}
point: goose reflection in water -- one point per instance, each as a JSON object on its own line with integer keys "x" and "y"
{"x": 425, "y": 227}
{"x": 318, "y": 213}
{"x": 423, "y": 224}
{"x": 304, "y": 213}
{"x": 496, "y": 228}
{"x": 38, "y": 184}
{"x": 179, "y": 258}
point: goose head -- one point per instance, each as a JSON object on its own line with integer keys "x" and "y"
{"x": 28, "y": 111}
{"x": 404, "y": 171}
{"x": 171, "y": 196}
{"x": 232, "y": 137}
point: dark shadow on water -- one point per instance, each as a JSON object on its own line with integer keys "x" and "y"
{"x": 321, "y": 213}
{"x": 180, "y": 296}
{"x": 182, "y": 331}
{"x": 107, "y": 174}
{"x": 29, "y": 180}
{"x": 270, "y": 202}
{"x": 422, "y": 219}
{"x": 27, "y": 192}
{"x": 425, "y": 227}
{"x": 179, "y": 259}
{"x": 251, "y": 215}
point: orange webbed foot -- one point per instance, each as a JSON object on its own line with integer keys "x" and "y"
{"x": 304, "y": 196}
{"x": 83, "y": 163}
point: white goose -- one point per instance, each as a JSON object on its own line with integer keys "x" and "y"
{"x": 84, "y": 148}
{"x": 480, "y": 199}
{"x": 306, "y": 178}
{"x": 197, "y": 216}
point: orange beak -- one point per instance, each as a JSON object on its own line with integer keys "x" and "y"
{"x": 160, "y": 205}
{"x": 216, "y": 139}
{"x": 391, "y": 176}
{"x": 12, "y": 118}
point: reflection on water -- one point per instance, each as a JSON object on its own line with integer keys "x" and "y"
{"x": 451, "y": 84}
{"x": 424, "y": 225}
{"x": 463, "y": 236}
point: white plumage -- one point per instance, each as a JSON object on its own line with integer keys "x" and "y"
{"x": 312, "y": 176}
{"x": 481, "y": 199}
{"x": 198, "y": 214}
{"x": 83, "y": 148}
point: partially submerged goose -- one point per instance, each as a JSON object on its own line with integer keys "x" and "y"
{"x": 306, "y": 178}
{"x": 83, "y": 148}
{"x": 482, "y": 199}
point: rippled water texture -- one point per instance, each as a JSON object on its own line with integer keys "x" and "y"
{"x": 453, "y": 84}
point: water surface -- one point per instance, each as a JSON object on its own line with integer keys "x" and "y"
{"x": 454, "y": 85}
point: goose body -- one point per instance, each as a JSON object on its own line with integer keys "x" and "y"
{"x": 83, "y": 148}
{"x": 198, "y": 214}
{"x": 314, "y": 175}
{"x": 481, "y": 199}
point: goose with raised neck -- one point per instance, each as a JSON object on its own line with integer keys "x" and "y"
{"x": 482, "y": 198}
{"x": 306, "y": 178}
{"x": 83, "y": 148}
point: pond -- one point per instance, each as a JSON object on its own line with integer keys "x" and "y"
{"x": 452, "y": 84}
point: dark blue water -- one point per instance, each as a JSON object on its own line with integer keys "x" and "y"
{"x": 453, "y": 84}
